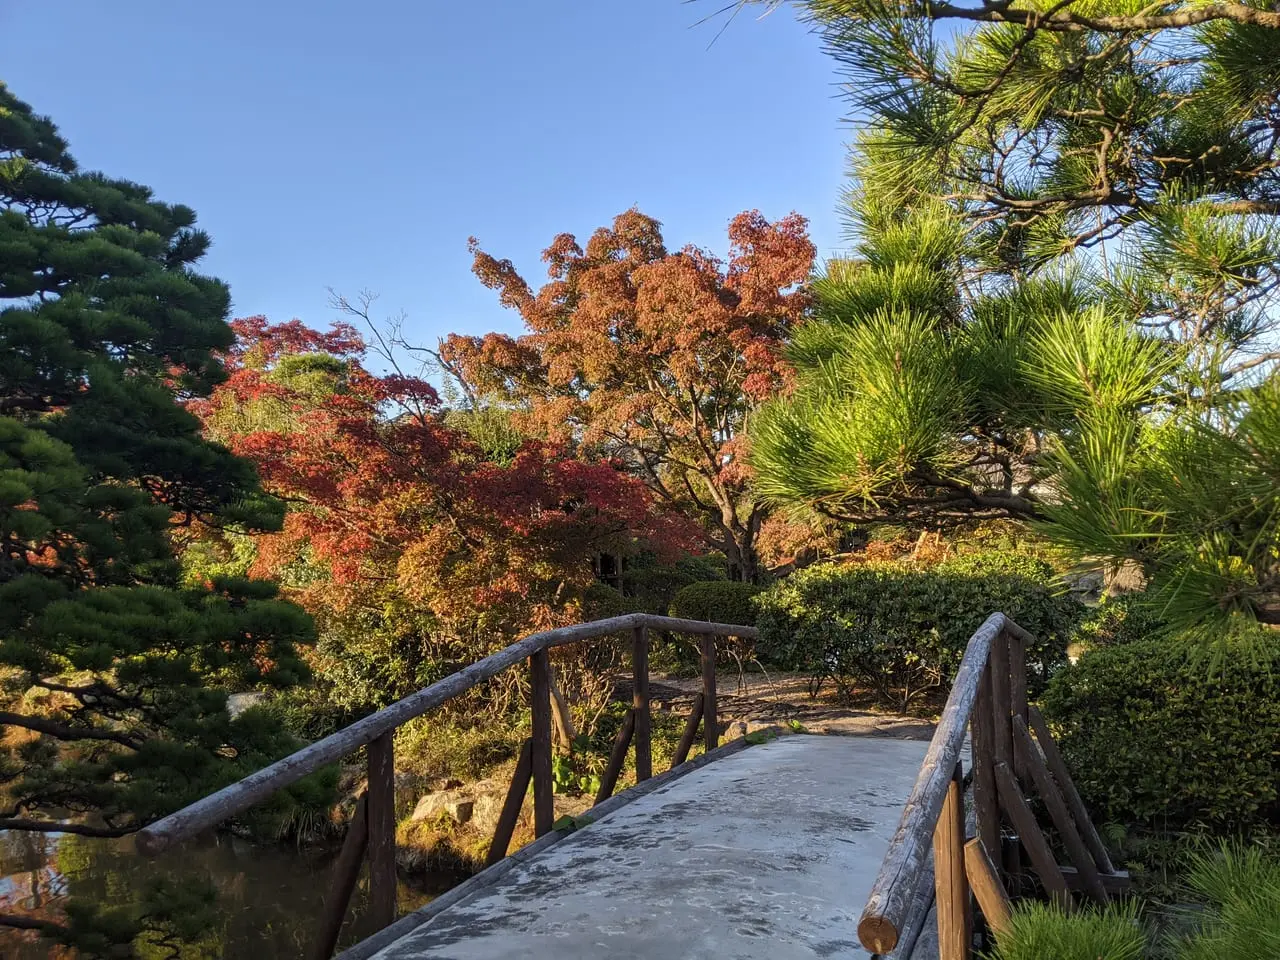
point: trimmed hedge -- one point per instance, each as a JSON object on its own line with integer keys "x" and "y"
{"x": 1155, "y": 732}
{"x": 718, "y": 601}
{"x": 1119, "y": 620}
{"x": 654, "y": 583}
{"x": 902, "y": 630}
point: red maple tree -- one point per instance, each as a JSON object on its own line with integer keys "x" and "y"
{"x": 385, "y": 494}
{"x": 654, "y": 357}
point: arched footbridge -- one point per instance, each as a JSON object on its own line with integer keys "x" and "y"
{"x": 775, "y": 845}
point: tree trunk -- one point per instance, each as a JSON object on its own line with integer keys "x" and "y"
{"x": 1128, "y": 577}
{"x": 740, "y": 549}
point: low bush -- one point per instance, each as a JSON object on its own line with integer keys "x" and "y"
{"x": 719, "y": 601}
{"x": 1119, "y": 620}
{"x": 653, "y": 583}
{"x": 901, "y": 629}
{"x": 1156, "y": 732}
{"x": 438, "y": 748}
{"x": 600, "y": 602}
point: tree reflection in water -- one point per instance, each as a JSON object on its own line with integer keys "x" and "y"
{"x": 269, "y": 898}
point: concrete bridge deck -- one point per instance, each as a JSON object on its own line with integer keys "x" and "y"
{"x": 767, "y": 853}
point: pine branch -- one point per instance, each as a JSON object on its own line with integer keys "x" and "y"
{"x": 1069, "y": 21}
{"x": 1245, "y": 207}
{"x": 1234, "y": 371}
{"x": 46, "y": 927}
{"x": 67, "y": 732}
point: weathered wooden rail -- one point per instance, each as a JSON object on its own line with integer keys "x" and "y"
{"x": 371, "y": 834}
{"x": 1010, "y": 746}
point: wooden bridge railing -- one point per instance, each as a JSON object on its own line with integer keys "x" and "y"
{"x": 372, "y": 830}
{"x": 989, "y": 701}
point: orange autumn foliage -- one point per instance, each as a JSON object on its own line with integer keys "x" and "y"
{"x": 652, "y": 356}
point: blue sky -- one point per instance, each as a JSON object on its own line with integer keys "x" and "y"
{"x": 358, "y": 145}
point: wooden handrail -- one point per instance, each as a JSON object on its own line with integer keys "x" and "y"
{"x": 885, "y": 914}
{"x": 989, "y": 697}
{"x": 258, "y": 786}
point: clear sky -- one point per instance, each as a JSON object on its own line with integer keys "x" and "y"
{"x": 335, "y": 143}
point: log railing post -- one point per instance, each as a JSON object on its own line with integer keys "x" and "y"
{"x": 562, "y": 720}
{"x": 510, "y": 814}
{"x": 540, "y": 759}
{"x": 345, "y": 873}
{"x": 1018, "y": 704}
{"x": 951, "y": 885}
{"x": 1018, "y": 674}
{"x": 1033, "y": 841}
{"x": 986, "y": 886}
{"x": 1001, "y": 701}
{"x": 1038, "y": 773}
{"x": 640, "y": 703}
{"x": 381, "y": 801}
{"x": 690, "y": 733}
{"x": 710, "y": 728}
{"x": 1058, "y": 766}
{"x": 617, "y": 757}
{"x": 985, "y": 799}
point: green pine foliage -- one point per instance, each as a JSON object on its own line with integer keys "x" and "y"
{"x": 1062, "y": 299}
{"x": 1241, "y": 887}
{"x": 1043, "y": 932}
{"x": 115, "y": 672}
{"x": 1238, "y": 888}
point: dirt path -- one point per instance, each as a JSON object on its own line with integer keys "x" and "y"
{"x": 759, "y": 701}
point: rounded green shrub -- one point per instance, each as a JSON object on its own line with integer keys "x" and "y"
{"x": 601, "y": 601}
{"x": 1156, "y": 732}
{"x": 900, "y": 629}
{"x": 653, "y": 582}
{"x": 1119, "y": 620}
{"x": 718, "y": 601}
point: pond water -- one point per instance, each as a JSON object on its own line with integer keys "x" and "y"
{"x": 269, "y": 897}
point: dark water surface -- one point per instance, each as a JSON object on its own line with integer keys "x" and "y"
{"x": 269, "y": 897}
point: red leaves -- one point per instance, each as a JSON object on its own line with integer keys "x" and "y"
{"x": 500, "y": 275}
{"x": 652, "y": 356}
{"x": 382, "y": 489}
{"x": 259, "y": 343}
{"x": 767, "y": 260}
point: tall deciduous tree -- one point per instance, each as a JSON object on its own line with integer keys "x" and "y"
{"x": 653, "y": 356}
{"x": 115, "y": 676}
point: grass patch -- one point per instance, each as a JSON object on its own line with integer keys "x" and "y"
{"x": 1043, "y": 932}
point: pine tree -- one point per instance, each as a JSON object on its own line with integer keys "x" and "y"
{"x": 1063, "y": 305}
{"x": 116, "y": 675}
